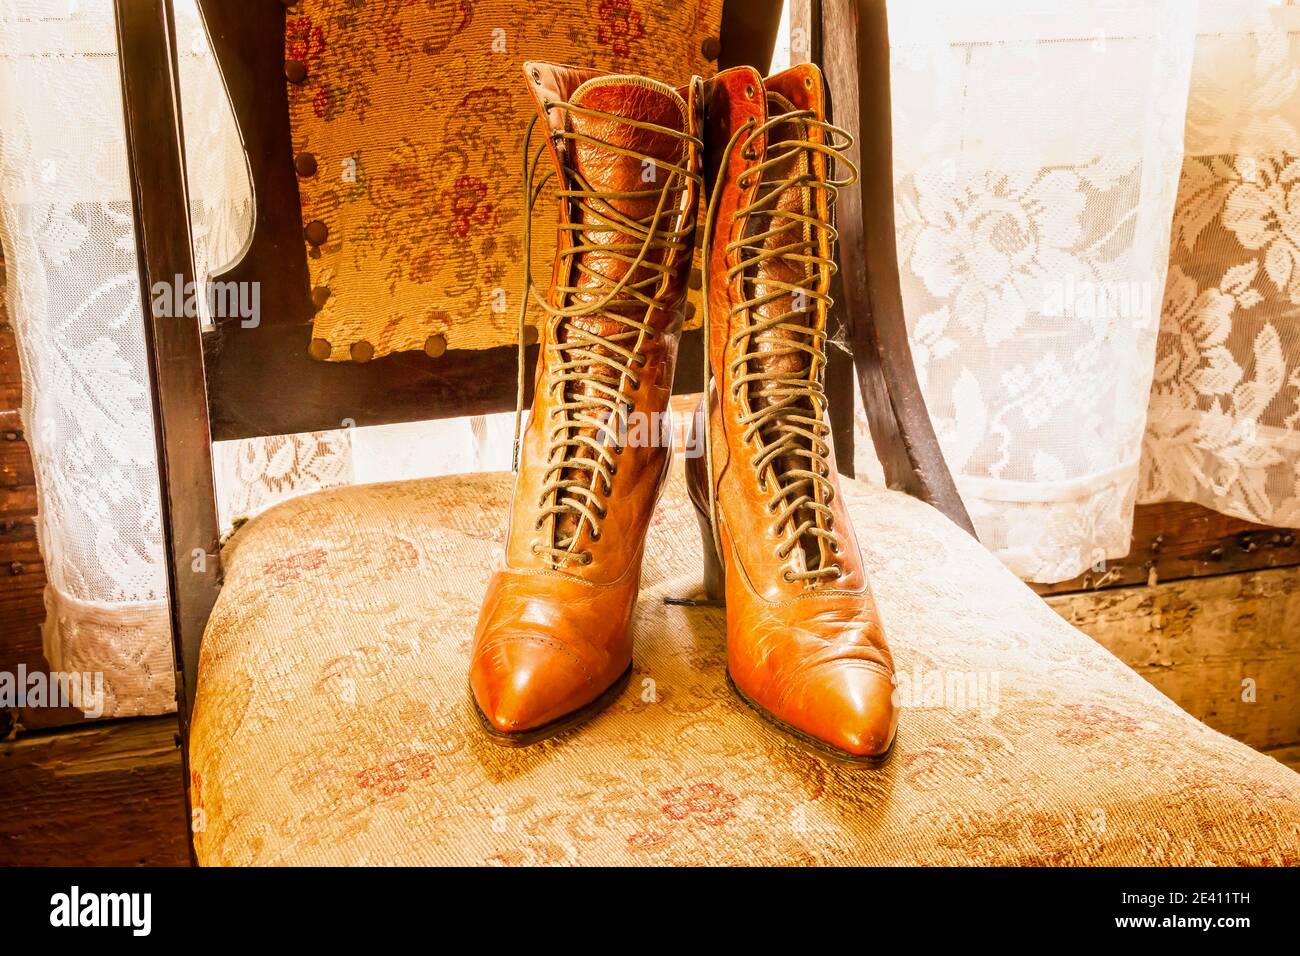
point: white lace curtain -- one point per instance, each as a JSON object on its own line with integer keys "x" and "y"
{"x": 1074, "y": 358}
{"x": 1044, "y": 156}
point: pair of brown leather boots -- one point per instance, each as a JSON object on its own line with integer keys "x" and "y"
{"x": 631, "y": 156}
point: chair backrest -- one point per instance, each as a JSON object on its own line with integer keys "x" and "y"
{"x": 232, "y": 381}
{"x": 251, "y": 372}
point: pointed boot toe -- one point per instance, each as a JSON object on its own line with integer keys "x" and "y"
{"x": 522, "y": 682}
{"x": 855, "y": 711}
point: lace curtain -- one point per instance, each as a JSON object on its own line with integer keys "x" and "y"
{"x": 1225, "y": 403}
{"x": 1097, "y": 244}
{"x": 1036, "y": 169}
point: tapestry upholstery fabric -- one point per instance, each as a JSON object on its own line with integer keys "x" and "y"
{"x": 415, "y": 115}
{"x": 333, "y": 722}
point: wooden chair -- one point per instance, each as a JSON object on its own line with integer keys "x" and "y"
{"x": 329, "y": 721}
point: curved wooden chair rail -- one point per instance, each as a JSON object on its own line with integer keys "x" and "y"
{"x": 261, "y": 381}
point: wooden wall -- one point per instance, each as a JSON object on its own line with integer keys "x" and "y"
{"x": 71, "y": 790}
{"x": 22, "y": 572}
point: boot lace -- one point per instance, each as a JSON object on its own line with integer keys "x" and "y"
{"x": 787, "y": 412}
{"x": 591, "y": 374}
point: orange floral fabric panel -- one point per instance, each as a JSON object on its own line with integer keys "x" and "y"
{"x": 408, "y": 120}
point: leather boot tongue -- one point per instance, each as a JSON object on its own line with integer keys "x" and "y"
{"x": 798, "y": 201}
{"x": 605, "y": 170}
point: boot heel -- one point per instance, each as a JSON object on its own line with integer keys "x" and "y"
{"x": 714, "y": 578}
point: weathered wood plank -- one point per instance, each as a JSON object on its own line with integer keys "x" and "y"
{"x": 1225, "y": 648}
{"x": 108, "y": 794}
{"x": 1180, "y": 540}
{"x": 22, "y": 569}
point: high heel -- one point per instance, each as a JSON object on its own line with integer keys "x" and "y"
{"x": 715, "y": 581}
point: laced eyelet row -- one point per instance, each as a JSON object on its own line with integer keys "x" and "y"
{"x": 590, "y": 375}
{"x": 786, "y": 427}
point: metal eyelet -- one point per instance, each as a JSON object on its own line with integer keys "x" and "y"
{"x": 749, "y": 91}
{"x": 787, "y": 576}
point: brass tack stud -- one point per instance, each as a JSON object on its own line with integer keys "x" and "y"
{"x": 435, "y": 345}
{"x": 696, "y": 279}
{"x": 305, "y": 164}
{"x": 317, "y": 232}
{"x": 530, "y": 335}
{"x": 320, "y": 349}
{"x": 320, "y": 295}
{"x": 362, "y": 352}
{"x": 690, "y": 311}
{"x": 711, "y": 48}
{"x": 295, "y": 71}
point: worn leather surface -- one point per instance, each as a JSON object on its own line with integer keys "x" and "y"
{"x": 550, "y": 640}
{"x": 813, "y": 656}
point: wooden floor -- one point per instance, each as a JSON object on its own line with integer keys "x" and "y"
{"x": 1206, "y": 607}
{"x": 105, "y": 794}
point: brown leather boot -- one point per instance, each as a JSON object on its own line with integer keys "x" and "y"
{"x": 805, "y": 646}
{"x": 553, "y": 643}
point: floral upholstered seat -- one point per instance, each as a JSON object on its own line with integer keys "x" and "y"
{"x": 333, "y": 722}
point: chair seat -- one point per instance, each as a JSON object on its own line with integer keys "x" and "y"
{"x": 333, "y": 721}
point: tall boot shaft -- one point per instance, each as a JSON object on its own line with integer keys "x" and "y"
{"x": 553, "y": 643}
{"x": 624, "y": 156}
{"x": 805, "y": 646}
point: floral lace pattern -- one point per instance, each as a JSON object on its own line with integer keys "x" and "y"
{"x": 1225, "y": 403}
{"x": 1031, "y": 262}
{"x": 74, "y": 299}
